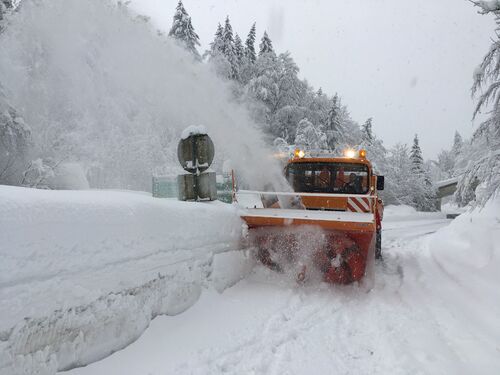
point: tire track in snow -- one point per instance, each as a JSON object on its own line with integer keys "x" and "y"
{"x": 265, "y": 351}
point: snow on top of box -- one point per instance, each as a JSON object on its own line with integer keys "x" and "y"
{"x": 193, "y": 130}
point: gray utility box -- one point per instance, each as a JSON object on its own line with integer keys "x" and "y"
{"x": 197, "y": 187}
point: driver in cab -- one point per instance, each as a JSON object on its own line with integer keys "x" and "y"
{"x": 352, "y": 186}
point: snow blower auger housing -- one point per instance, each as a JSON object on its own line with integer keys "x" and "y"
{"x": 331, "y": 221}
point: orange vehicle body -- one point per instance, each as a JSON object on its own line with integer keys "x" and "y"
{"x": 348, "y": 225}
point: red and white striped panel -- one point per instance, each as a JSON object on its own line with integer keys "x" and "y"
{"x": 358, "y": 204}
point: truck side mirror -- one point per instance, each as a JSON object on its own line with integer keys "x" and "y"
{"x": 380, "y": 182}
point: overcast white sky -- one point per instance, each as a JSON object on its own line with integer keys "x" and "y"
{"x": 408, "y": 64}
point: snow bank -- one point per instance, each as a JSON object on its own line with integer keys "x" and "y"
{"x": 397, "y": 213}
{"x": 68, "y": 176}
{"x": 82, "y": 273}
{"x": 455, "y": 274}
{"x": 468, "y": 250}
{"x": 400, "y": 210}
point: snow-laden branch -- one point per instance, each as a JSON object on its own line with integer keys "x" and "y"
{"x": 487, "y": 6}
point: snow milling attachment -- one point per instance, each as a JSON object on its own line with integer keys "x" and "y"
{"x": 337, "y": 247}
{"x": 310, "y": 253}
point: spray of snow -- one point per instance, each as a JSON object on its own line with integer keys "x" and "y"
{"x": 100, "y": 88}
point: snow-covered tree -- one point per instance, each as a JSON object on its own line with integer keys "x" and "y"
{"x": 239, "y": 51}
{"x": 266, "y": 46}
{"x": 333, "y": 126}
{"x": 216, "y": 46}
{"x": 38, "y": 173}
{"x": 277, "y": 86}
{"x": 458, "y": 144}
{"x": 229, "y": 49}
{"x": 399, "y": 176}
{"x": 481, "y": 179}
{"x": 228, "y": 40}
{"x": 309, "y": 136}
{"x": 216, "y": 56}
{"x": 250, "y": 45}
{"x": 374, "y": 147}
{"x": 15, "y": 143}
{"x": 450, "y": 163}
{"x": 367, "y": 130}
{"x": 422, "y": 190}
{"x": 446, "y": 163}
{"x": 5, "y": 6}
{"x": 247, "y": 69}
{"x": 417, "y": 161}
{"x": 182, "y": 31}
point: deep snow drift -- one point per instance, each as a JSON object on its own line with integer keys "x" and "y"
{"x": 82, "y": 273}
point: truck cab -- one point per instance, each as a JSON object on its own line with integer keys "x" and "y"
{"x": 345, "y": 183}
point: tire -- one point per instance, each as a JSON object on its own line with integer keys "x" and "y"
{"x": 378, "y": 244}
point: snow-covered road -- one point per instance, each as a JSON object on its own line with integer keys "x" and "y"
{"x": 418, "y": 319}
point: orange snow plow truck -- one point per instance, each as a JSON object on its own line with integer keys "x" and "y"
{"x": 329, "y": 224}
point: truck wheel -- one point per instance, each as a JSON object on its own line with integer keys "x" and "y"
{"x": 378, "y": 244}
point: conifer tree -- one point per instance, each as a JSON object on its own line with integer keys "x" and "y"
{"x": 422, "y": 191}
{"x": 250, "y": 46}
{"x": 216, "y": 47}
{"x": 367, "y": 130}
{"x": 182, "y": 30}
{"x": 238, "y": 50}
{"x": 228, "y": 40}
{"x": 457, "y": 144}
{"x": 229, "y": 50}
{"x": 333, "y": 126}
{"x": 266, "y": 46}
{"x": 417, "y": 161}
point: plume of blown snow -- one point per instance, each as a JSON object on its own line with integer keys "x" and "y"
{"x": 98, "y": 86}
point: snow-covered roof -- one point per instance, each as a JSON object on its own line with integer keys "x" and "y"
{"x": 449, "y": 181}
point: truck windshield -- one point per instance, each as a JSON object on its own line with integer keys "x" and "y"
{"x": 318, "y": 177}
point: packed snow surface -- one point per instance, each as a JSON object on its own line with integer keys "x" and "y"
{"x": 434, "y": 309}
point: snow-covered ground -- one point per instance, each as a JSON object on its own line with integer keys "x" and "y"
{"x": 82, "y": 274}
{"x": 434, "y": 309}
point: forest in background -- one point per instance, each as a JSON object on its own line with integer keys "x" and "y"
{"x": 124, "y": 134}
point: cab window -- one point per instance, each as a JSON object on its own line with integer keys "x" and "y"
{"x": 341, "y": 178}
